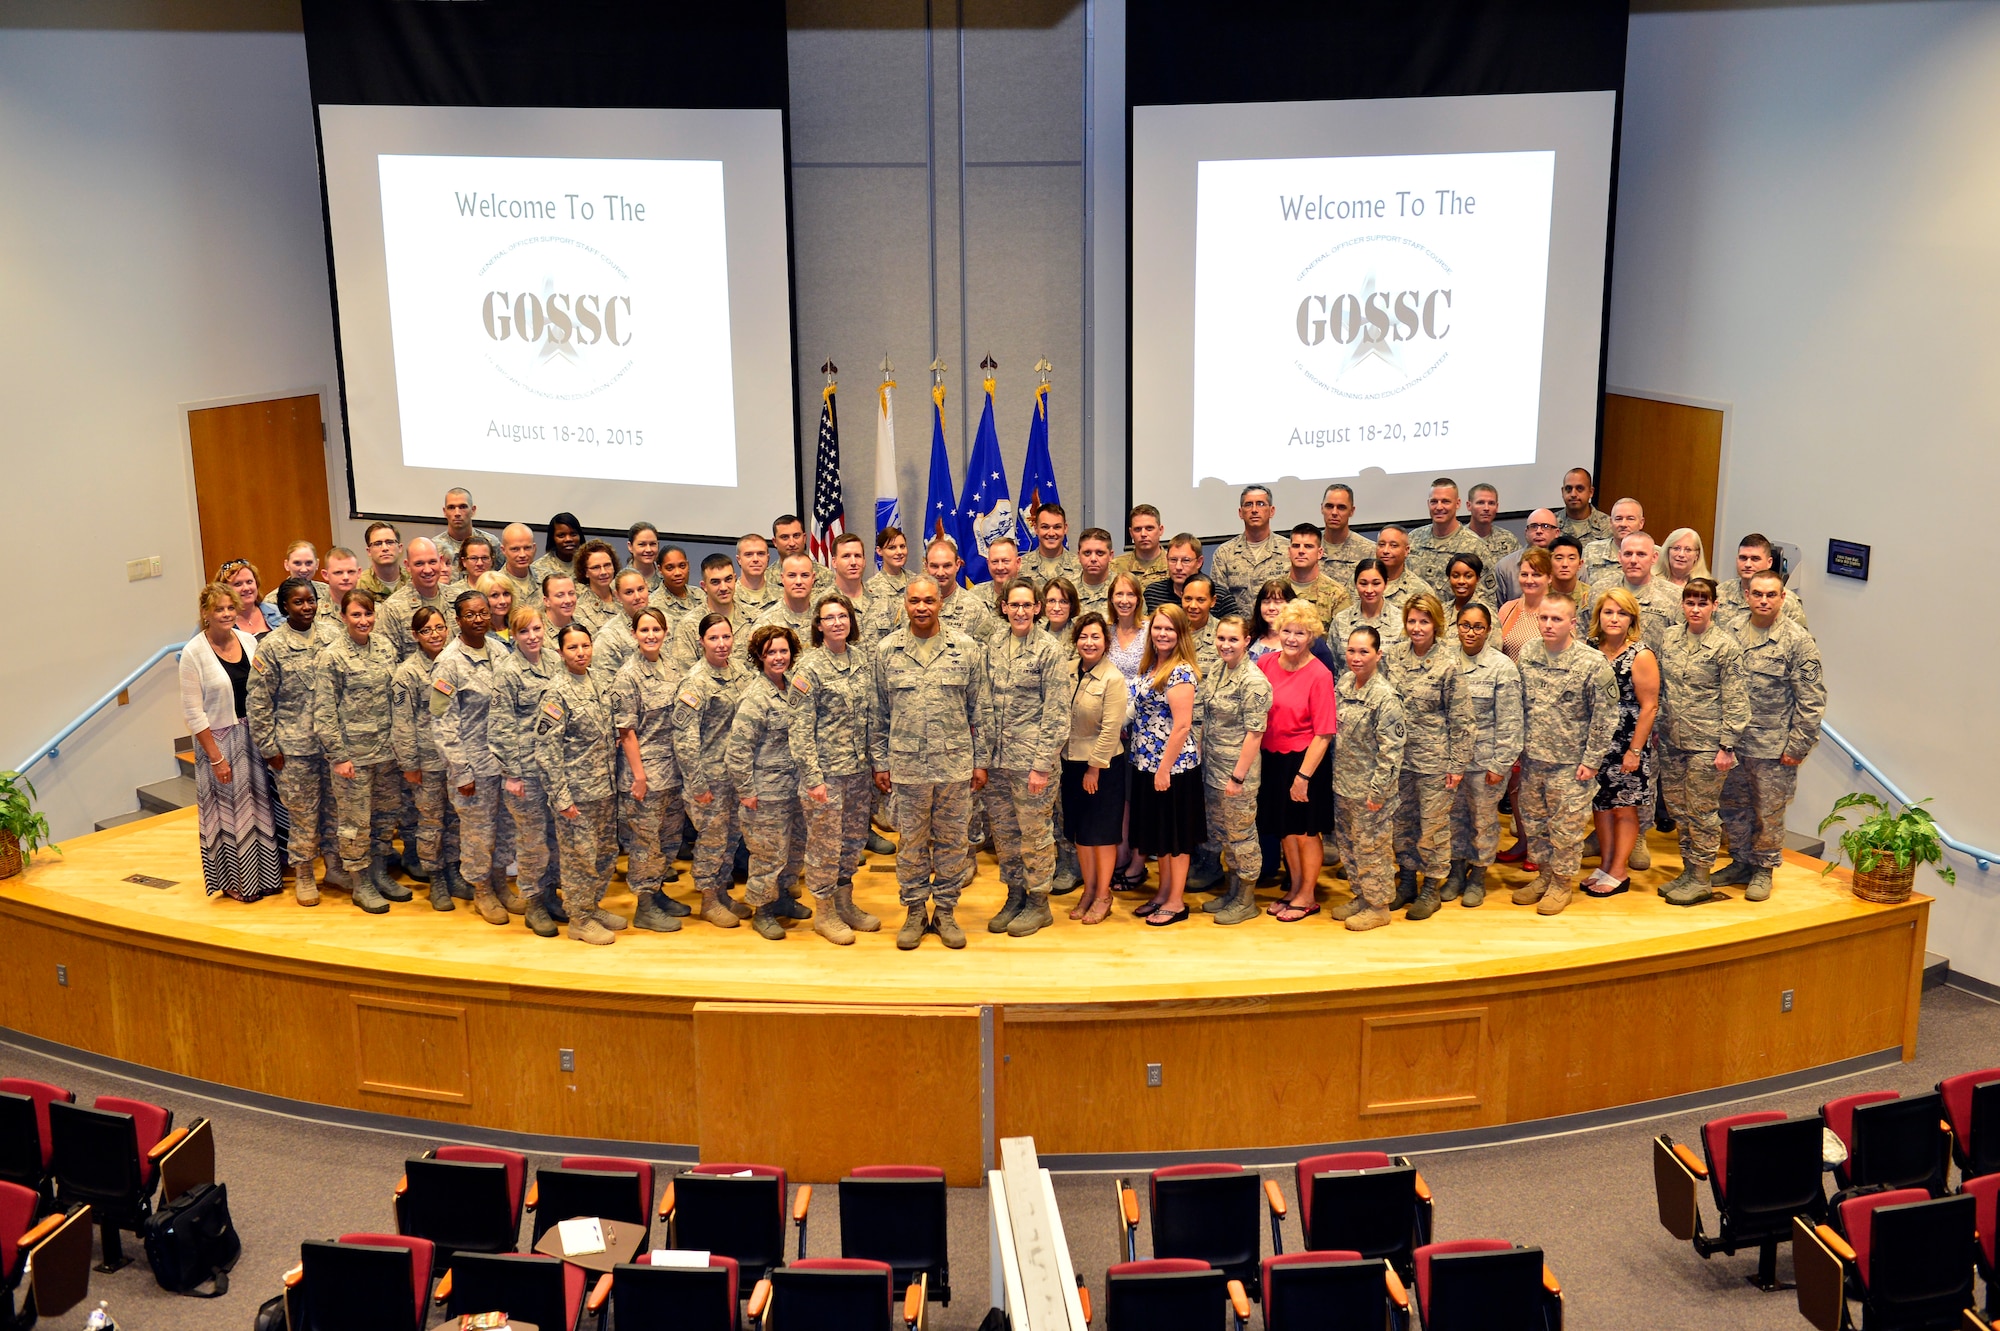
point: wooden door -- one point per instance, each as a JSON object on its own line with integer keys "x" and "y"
{"x": 1669, "y": 458}
{"x": 260, "y": 482}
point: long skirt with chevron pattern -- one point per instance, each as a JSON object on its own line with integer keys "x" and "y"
{"x": 239, "y": 834}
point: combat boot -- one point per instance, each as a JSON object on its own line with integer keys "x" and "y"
{"x": 649, "y": 915}
{"x": 1017, "y": 897}
{"x": 678, "y": 909}
{"x": 878, "y": 844}
{"x": 383, "y": 883}
{"x": 1533, "y": 892}
{"x": 551, "y": 899}
{"x": 537, "y": 918}
{"x": 488, "y": 906}
{"x": 1069, "y": 877}
{"x": 409, "y": 866}
{"x": 441, "y": 896}
{"x": 304, "y": 888}
{"x": 604, "y": 917}
{"x": 1641, "y": 857}
{"x": 1369, "y": 917}
{"x": 1555, "y": 899}
{"x": 1454, "y": 882}
{"x": 1759, "y": 887}
{"x": 1734, "y": 874}
{"x": 1239, "y": 902}
{"x": 850, "y": 914}
{"x": 585, "y": 929}
{"x": 1678, "y": 880}
{"x": 460, "y": 889}
{"x": 735, "y": 906}
{"x": 1690, "y": 889}
{"x": 510, "y": 897}
{"x": 912, "y": 932}
{"x": 1406, "y": 888}
{"x": 1475, "y": 886}
{"x": 367, "y": 896}
{"x": 336, "y": 876}
{"x": 1032, "y": 917}
{"x": 944, "y": 919}
{"x": 767, "y": 924}
{"x": 789, "y": 907}
{"x": 715, "y": 912}
{"x": 1426, "y": 904}
{"x": 1205, "y": 872}
{"x": 828, "y": 925}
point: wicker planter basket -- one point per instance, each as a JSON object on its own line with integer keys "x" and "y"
{"x": 1889, "y": 886}
{"x": 10, "y": 855}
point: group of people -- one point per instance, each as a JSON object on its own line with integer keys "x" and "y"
{"x": 1314, "y": 691}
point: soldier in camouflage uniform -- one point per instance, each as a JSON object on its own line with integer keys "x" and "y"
{"x": 788, "y": 538}
{"x": 1340, "y": 550}
{"x": 1051, "y": 557}
{"x": 1026, "y": 672}
{"x": 673, "y": 595}
{"x": 1570, "y": 698}
{"x": 703, "y": 710}
{"x": 423, "y": 587}
{"x": 1781, "y": 672}
{"x": 1308, "y": 579}
{"x": 461, "y": 710}
{"x": 1370, "y": 610}
{"x": 517, "y": 548}
{"x": 1244, "y": 563}
{"x": 519, "y": 680}
{"x": 1432, "y": 546}
{"x": 1367, "y": 782}
{"x": 1704, "y": 706}
{"x": 279, "y": 705}
{"x": 1579, "y": 519}
{"x": 930, "y": 746}
{"x": 832, "y": 714}
{"x": 793, "y": 608}
{"x": 1482, "y": 502}
{"x": 760, "y": 753}
{"x": 415, "y": 742}
{"x": 1601, "y": 562}
{"x": 718, "y": 584}
{"x": 1231, "y": 705}
{"x": 575, "y": 752}
{"x": 351, "y": 722}
{"x": 1754, "y": 554}
{"x": 1420, "y": 668}
{"x": 1401, "y": 586}
{"x": 650, "y": 808}
{"x": 1486, "y": 722}
{"x": 958, "y": 609}
{"x": 892, "y": 549}
{"x": 1093, "y": 558}
{"x": 613, "y": 644}
{"x": 753, "y": 562}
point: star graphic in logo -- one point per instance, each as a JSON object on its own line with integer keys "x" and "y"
{"x": 551, "y": 346}
{"x": 1373, "y": 341}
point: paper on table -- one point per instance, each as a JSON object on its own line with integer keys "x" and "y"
{"x": 681, "y": 1258}
{"x": 580, "y": 1238}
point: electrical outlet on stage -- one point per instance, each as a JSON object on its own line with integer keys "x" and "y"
{"x": 62, "y": 975}
{"x": 1785, "y": 1001}
{"x": 568, "y": 1056}
{"x": 1153, "y": 1074}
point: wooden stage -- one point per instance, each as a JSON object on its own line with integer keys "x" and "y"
{"x": 820, "y": 1057}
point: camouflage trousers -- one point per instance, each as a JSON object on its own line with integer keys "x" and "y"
{"x": 1475, "y": 819}
{"x": 366, "y": 805}
{"x": 650, "y": 830}
{"x": 1692, "y": 789}
{"x": 933, "y": 822}
{"x": 301, "y": 786}
{"x": 437, "y": 821}
{"x": 1554, "y": 809}
{"x": 1755, "y": 795}
{"x": 775, "y": 833}
{"x": 479, "y": 821}
{"x": 1023, "y": 828}
{"x": 1367, "y": 843}
{"x": 1232, "y": 827}
{"x": 534, "y": 835}
{"x": 837, "y": 831}
{"x": 1423, "y": 823}
{"x": 715, "y": 831}
{"x": 588, "y": 846}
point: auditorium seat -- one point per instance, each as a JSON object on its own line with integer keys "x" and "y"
{"x": 1368, "y": 1201}
{"x": 363, "y": 1280}
{"x": 1892, "y": 1140}
{"x": 463, "y": 1199}
{"x": 1763, "y": 1167}
{"x": 58, "y": 1249}
{"x": 737, "y": 1210}
{"x": 689, "y": 1299}
{"x": 105, "y": 1157}
{"x": 546, "y": 1291}
{"x": 1985, "y": 1193}
{"x": 837, "y": 1294}
{"x": 26, "y": 1148}
{"x": 1972, "y": 1107}
{"x": 1211, "y": 1212}
{"x": 1332, "y": 1291}
{"x": 601, "y": 1187}
{"x": 1487, "y": 1285}
{"x": 1167, "y": 1294}
{"x": 1905, "y": 1256}
{"x": 897, "y": 1214}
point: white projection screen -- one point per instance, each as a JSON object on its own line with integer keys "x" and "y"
{"x": 578, "y": 309}
{"x": 1374, "y": 291}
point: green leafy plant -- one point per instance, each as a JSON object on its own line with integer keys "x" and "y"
{"x": 17, "y": 815}
{"x": 1884, "y": 840}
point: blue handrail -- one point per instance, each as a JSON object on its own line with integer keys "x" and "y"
{"x": 1983, "y": 858}
{"x": 54, "y": 746}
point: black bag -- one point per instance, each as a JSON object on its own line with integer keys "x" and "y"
{"x": 190, "y": 1241}
{"x": 271, "y": 1314}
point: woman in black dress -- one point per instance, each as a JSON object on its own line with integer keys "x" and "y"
{"x": 1622, "y": 785}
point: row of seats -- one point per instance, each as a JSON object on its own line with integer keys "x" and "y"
{"x": 1365, "y": 1218}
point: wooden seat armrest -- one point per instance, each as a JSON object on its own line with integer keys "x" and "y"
{"x": 1423, "y": 1188}
{"x": 1128, "y": 1203}
{"x": 167, "y": 1143}
{"x": 760, "y": 1298}
{"x": 444, "y": 1288}
{"x": 295, "y": 1275}
{"x": 599, "y": 1293}
{"x": 402, "y": 1185}
{"x": 913, "y": 1303}
{"x": 802, "y": 1203}
{"x": 1397, "y": 1293}
{"x": 1690, "y": 1160}
{"x": 1274, "y": 1197}
{"x": 50, "y": 1224}
{"x": 534, "y": 1197}
{"x": 1836, "y": 1244}
{"x": 1549, "y": 1281}
{"x": 1239, "y": 1300}
{"x": 667, "y": 1201}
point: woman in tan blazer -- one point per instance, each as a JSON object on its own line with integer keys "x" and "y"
{"x": 1094, "y": 766}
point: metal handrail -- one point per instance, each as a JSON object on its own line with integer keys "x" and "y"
{"x": 1983, "y": 858}
{"x": 54, "y": 746}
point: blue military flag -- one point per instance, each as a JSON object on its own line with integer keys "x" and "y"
{"x": 985, "y": 509}
{"x": 888, "y": 508}
{"x": 1038, "y": 472}
{"x": 940, "y": 508}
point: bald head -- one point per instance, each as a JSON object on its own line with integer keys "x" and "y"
{"x": 517, "y": 546}
{"x": 1543, "y": 527}
{"x": 426, "y": 564}
{"x": 1635, "y": 557}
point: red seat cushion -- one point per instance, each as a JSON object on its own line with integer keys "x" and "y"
{"x": 611, "y": 1164}
{"x": 1302, "y": 1258}
{"x": 1957, "y": 1092}
{"x": 516, "y": 1165}
{"x": 422, "y": 1254}
{"x": 149, "y": 1122}
{"x": 1158, "y": 1266}
{"x": 716, "y": 1261}
{"x": 575, "y": 1279}
{"x": 17, "y": 1217}
{"x": 1857, "y": 1219}
{"x": 1186, "y": 1171}
{"x": 1329, "y": 1164}
{"x": 1985, "y": 1192}
{"x": 1715, "y": 1140}
{"x": 44, "y": 1094}
{"x": 897, "y": 1171}
{"x": 762, "y": 1171}
{"x": 1839, "y": 1114}
{"x": 1430, "y": 1250}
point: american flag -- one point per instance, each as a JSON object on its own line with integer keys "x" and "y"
{"x": 829, "y": 515}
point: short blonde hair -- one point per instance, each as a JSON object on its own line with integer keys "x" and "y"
{"x": 1625, "y": 601}
{"x": 1429, "y": 605}
{"x": 1700, "y": 569}
{"x": 1303, "y": 613}
{"x": 211, "y": 596}
{"x": 521, "y": 614}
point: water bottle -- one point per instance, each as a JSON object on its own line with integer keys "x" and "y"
{"x": 100, "y": 1320}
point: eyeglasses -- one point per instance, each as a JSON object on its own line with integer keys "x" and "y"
{"x": 1541, "y": 526}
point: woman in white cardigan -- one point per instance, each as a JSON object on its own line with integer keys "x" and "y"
{"x": 232, "y": 786}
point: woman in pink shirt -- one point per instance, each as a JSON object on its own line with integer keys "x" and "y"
{"x": 1295, "y": 800}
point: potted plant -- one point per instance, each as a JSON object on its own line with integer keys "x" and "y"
{"x": 21, "y": 828}
{"x": 1885, "y": 848}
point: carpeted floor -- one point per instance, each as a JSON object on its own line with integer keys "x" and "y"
{"x": 1586, "y": 1198}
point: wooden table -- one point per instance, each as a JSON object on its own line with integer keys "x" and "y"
{"x": 621, "y": 1244}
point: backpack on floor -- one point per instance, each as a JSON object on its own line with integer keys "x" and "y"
{"x": 190, "y": 1241}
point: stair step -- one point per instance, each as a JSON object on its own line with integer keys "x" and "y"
{"x": 1937, "y": 970}
{"x": 166, "y": 796}
{"x": 1806, "y": 845}
{"x": 106, "y": 824}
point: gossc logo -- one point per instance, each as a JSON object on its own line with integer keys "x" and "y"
{"x": 558, "y": 317}
{"x": 1373, "y": 316}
